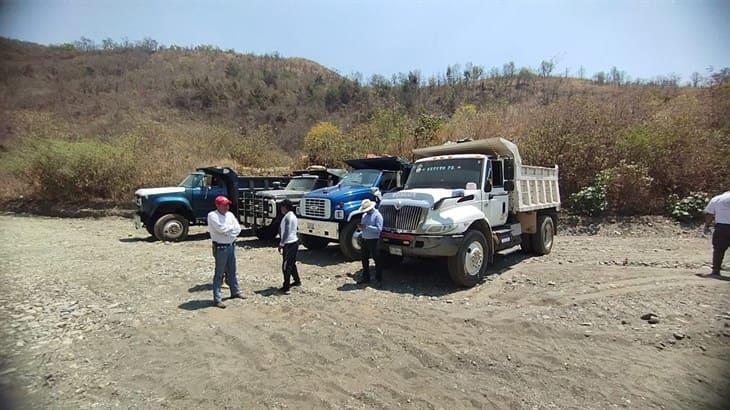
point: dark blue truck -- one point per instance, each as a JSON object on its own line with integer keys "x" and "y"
{"x": 331, "y": 214}
{"x": 167, "y": 212}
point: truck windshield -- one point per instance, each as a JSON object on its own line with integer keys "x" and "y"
{"x": 360, "y": 177}
{"x": 445, "y": 173}
{"x": 301, "y": 184}
{"x": 191, "y": 181}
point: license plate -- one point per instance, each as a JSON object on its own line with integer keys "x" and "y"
{"x": 394, "y": 250}
{"x": 137, "y": 222}
{"x": 310, "y": 225}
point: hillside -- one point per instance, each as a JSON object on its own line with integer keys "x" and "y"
{"x": 81, "y": 121}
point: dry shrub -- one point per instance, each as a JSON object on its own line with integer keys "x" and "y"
{"x": 630, "y": 191}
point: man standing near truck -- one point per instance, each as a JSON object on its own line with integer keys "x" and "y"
{"x": 288, "y": 246}
{"x": 371, "y": 226}
{"x": 718, "y": 211}
{"x": 224, "y": 230}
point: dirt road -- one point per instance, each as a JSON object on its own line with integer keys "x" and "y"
{"x": 96, "y": 315}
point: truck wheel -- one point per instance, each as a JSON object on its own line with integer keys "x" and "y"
{"x": 171, "y": 227}
{"x": 314, "y": 243}
{"x": 542, "y": 240}
{"x": 266, "y": 233}
{"x": 526, "y": 243}
{"x": 349, "y": 245}
{"x": 469, "y": 265}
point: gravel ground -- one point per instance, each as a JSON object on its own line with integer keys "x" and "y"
{"x": 96, "y": 315}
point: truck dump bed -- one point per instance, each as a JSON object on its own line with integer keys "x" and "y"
{"x": 535, "y": 187}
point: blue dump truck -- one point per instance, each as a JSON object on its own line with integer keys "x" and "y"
{"x": 167, "y": 212}
{"x": 331, "y": 214}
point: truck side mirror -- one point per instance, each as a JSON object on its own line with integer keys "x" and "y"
{"x": 487, "y": 186}
{"x": 276, "y": 184}
{"x": 509, "y": 169}
{"x": 509, "y": 185}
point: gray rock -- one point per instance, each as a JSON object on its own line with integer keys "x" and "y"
{"x": 679, "y": 335}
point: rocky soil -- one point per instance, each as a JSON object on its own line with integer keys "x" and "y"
{"x": 96, "y": 315}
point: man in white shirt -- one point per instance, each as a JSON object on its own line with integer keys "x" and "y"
{"x": 224, "y": 230}
{"x": 718, "y": 211}
{"x": 288, "y": 246}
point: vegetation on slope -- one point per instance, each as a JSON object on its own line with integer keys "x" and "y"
{"x": 84, "y": 121}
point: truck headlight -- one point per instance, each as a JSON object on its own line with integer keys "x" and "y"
{"x": 339, "y": 214}
{"x": 272, "y": 207}
{"x": 440, "y": 228}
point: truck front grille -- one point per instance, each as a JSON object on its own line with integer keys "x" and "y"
{"x": 407, "y": 218}
{"x": 316, "y": 208}
{"x": 253, "y": 206}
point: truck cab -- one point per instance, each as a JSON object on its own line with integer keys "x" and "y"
{"x": 167, "y": 212}
{"x": 468, "y": 200}
{"x": 332, "y": 214}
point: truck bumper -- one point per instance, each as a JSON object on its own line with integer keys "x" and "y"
{"x": 256, "y": 221}
{"x": 322, "y": 229}
{"x": 421, "y": 245}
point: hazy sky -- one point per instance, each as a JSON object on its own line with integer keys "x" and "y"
{"x": 645, "y": 38}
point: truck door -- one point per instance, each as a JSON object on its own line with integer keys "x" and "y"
{"x": 203, "y": 198}
{"x": 496, "y": 205}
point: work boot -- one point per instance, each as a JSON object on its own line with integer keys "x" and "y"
{"x": 219, "y": 305}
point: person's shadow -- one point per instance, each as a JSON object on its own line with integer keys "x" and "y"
{"x": 196, "y": 304}
{"x": 710, "y": 276}
{"x": 270, "y": 291}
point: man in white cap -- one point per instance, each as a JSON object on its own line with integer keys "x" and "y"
{"x": 718, "y": 212}
{"x": 371, "y": 226}
{"x": 224, "y": 230}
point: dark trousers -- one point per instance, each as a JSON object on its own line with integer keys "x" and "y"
{"x": 720, "y": 243}
{"x": 289, "y": 263}
{"x": 371, "y": 249}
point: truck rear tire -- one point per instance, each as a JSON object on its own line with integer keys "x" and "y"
{"x": 266, "y": 233}
{"x": 314, "y": 243}
{"x": 469, "y": 265}
{"x": 171, "y": 228}
{"x": 349, "y": 246}
{"x": 542, "y": 240}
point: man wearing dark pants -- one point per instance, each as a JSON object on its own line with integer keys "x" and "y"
{"x": 718, "y": 211}
{"x": 288, "y": 246}
{"x": 371, "y": 226}
{"x": 224, "y": 230}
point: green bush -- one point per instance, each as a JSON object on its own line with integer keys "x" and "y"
{"x": 689, "y": 208}
{"x": 73, "y": 171}
{"x": 591, "y": 200}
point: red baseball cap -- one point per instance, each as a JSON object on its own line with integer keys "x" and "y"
{"x": 221, "y": 200}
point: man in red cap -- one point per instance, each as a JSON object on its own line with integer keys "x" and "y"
{"x": 224, "y": 230}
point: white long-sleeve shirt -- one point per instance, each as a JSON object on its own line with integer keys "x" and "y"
{"x": 288, "y": 229}
{"x": 223, "y": 228}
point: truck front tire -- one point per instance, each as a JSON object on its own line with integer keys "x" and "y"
{"x": 314, "y": 243}
{"x": 542, "y": 240}
{"x": 171, "y": 228}
{"x": 348, "y": 244}
{"x": 469, "y": 265}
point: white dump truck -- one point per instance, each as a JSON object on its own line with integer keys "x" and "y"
{"x": 467, "y": 200}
